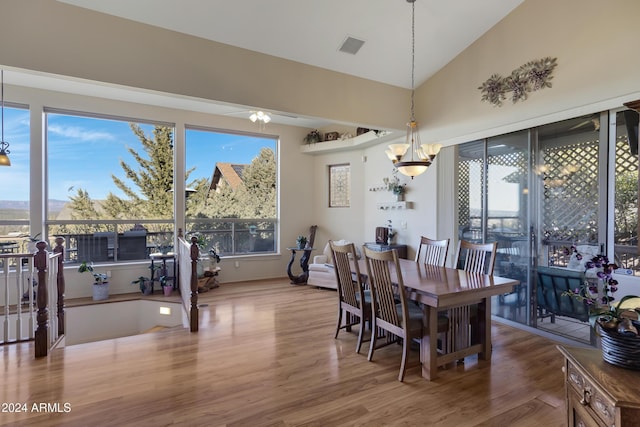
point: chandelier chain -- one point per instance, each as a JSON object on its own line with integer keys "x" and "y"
{"x": 413, "y": 57}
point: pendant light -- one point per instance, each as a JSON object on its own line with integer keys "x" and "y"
{"x": 422, "y": 155}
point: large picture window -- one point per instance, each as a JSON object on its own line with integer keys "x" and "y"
{"x": 14, "y": 198}
{"x": 110, "y": 184}
{"x": 232, "y": 184}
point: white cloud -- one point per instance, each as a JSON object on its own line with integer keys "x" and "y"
{"x": 79, "y": 133}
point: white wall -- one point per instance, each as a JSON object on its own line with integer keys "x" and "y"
{"x": 103, "y": 321}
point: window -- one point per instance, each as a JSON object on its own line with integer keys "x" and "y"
{"x": 339, "y": 186}
{"x": 626, "y": 192}
{"x": 108, "y": 178}
{"x": 14, "y": 199}
{"x": 232, "y": 182}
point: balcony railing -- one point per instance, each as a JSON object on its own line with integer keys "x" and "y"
{"x": 116, "y": 240}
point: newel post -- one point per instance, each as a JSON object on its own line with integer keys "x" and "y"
{"x": 59, "y": 249}
{"x": 195, "y": 253}
{"x": 42, "y": 316}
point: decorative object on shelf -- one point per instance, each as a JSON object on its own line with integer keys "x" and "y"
{"x": 425, "y": 153}
{"x": 313, "y": 137}
{"x": 360, "y": 131}
{"x": 345, "y": 136}
{"x": 331, "y": 136}
{"x": 100, "y": 282}
{"x": 390, "y": 234}
{"x": 301, "y": 242}
{"x": 617, "y": 323}
{"x": 4, "y": 145}
{"x": 393, "y": 205}
{"x": 393, "y": 185}
{"x": 530, "y": 77}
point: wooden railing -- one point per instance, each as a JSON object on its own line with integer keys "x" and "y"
{"x": 26, "y": 308}
{"x": 188, "y": 254}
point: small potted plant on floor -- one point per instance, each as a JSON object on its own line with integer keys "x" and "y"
{"x": 145, "y": 284}
{"x": 100, "y": 282}
{"x": 166, "y": 286}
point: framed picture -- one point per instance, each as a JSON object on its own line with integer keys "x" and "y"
{"x": 339, "y": 185}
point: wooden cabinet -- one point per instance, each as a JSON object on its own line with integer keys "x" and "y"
{"x": 402, "y": 249}
{"x": 598, "y": 393}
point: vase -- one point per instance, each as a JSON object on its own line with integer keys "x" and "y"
{"x": 399, "y": 197}
{"x": 100, "y": 292}
{"x": 620, "y": 349}
{"x": 167, "y": 290}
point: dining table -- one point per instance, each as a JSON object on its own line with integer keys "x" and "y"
{"x": 453, "y": 292}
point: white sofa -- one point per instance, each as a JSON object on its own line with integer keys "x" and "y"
{"x": 321, "y": 270}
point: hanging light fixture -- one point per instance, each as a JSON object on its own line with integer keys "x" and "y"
{"x": 4, "y": 146}
{"x": 422, "y": 155}
{"x": 260, "y": 116}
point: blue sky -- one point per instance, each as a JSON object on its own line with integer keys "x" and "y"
{"x": 84, "y": 152}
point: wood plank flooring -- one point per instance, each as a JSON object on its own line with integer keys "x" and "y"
{"x": 265, "y": 356}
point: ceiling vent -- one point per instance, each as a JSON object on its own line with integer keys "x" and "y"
{"x": 351, "y": 45}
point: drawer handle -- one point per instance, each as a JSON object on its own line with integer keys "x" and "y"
{"x": 586, "y": 397}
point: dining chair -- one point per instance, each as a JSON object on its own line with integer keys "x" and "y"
{"x": 401, "y": 321}
{"x": 432, "y": 252}
{"x": 353, "y": 300}
{"x": 473, "y": 258}
{"x": 476, "y": 257}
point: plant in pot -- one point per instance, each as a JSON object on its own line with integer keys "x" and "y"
{"x": 100, "y": 282}
{"x": 166, "y": 286}
{"x": 146, "y": 283}
{"x": 301, "y": 241}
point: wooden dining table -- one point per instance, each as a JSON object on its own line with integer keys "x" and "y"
{"x": 443, "y": 289}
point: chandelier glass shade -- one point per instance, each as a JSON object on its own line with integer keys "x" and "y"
{"x": 4, "y": 146}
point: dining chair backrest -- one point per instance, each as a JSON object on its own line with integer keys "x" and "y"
{"x": 476, "y": 257}
{"x": 432, "y": 252}
{"x": 387, "y": 287}
{"x": 350, "y": 289}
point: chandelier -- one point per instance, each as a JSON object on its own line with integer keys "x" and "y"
{"x": 260, "y": 116}
{"x": 422, "y": 155}
{"x": 4, "y": 146}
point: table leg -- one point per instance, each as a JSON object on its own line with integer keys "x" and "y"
{"x": 484, "y": 328}
{"x": 429, "y": 344}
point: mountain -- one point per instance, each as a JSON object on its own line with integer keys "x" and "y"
{"x": 23, "y": 205}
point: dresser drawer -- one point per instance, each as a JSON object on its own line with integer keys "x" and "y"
{"x": 589, "y": 397}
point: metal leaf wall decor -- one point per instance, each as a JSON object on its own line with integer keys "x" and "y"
{"x": 530, "y": 77}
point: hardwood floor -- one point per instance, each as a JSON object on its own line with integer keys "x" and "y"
{"x": 265, "y": 356}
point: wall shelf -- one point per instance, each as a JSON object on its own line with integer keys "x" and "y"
{"x": 368, "y": 139}
{"x": 393, "y": 205}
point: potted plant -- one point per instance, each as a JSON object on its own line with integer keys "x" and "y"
{"x": 617, "y": 324}
{"x": 313, "y": 137}
{"x": 146, "y": 283}
{"x": 100, "y": 282}
{"x": 146, "y": 286}
{"x": 393, "y": 185}
{"x": 166, "y": 286}
{"x": 301, "y": 242}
